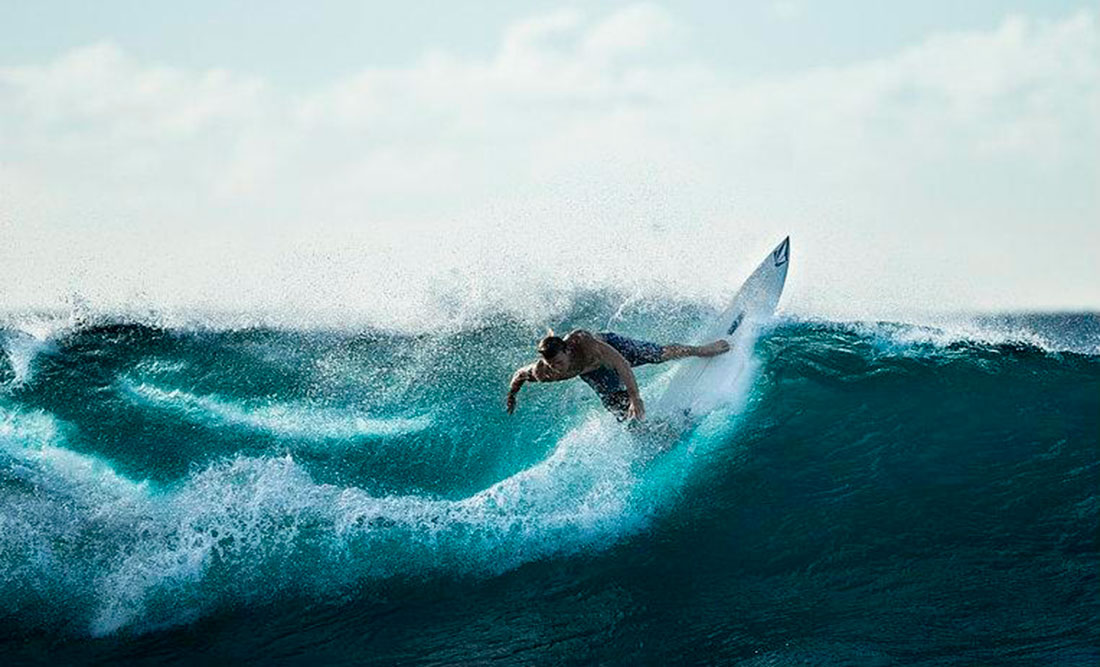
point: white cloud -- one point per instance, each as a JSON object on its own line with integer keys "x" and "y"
{"x": 100, "y": 85}
{"x": 787, "y": 10}
{"x": 915, "y": 179}
{"x": 632, "y": 30}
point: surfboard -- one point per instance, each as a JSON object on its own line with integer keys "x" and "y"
{"x": 699, "y": 385}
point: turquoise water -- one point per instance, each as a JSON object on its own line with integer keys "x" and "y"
{"x": 883, "y": 493}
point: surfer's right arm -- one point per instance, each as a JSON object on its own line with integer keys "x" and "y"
{"x": 531, "y": 373}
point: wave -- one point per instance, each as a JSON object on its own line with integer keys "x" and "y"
{"x": 840, "y": 418}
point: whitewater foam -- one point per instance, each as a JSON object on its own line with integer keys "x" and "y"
{"x": 250, "y": 528}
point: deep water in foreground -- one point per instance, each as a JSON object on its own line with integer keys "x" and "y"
{"x": 885, "y": 493}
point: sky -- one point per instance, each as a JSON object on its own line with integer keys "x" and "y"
{"x": 388, "y": 159}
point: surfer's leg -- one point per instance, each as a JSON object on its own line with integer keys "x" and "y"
{"x": 641, "y": 352}
{"x": 677, "y": 351}
{"x": 636, "y": 352}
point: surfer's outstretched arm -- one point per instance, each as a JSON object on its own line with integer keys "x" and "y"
{"x": 525, "y": 374}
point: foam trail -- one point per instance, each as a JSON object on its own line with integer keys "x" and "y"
{"x": 282, "y": 420}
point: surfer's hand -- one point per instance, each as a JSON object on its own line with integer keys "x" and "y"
{"x": 636, "y": 410}
{"x": 510, "y": 404}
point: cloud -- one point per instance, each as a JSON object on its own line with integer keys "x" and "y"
{"x": 207, "y": 187}
{"x": 635, "y": 29}
{"x": 100, "y": 86}
{"x": 787, "y": 10}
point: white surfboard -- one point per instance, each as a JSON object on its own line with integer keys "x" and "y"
{"x": 700, "y": 385}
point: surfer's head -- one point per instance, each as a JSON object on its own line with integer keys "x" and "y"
{"x": 554, "y": 350}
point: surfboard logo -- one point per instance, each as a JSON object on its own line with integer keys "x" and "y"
{"x": 736, "y": 323}
{"x": 783, "y": 252}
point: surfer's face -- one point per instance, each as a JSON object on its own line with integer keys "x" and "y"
{"x": 559, "y": 361}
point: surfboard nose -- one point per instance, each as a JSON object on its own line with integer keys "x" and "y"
{"x": 782, "y": 252}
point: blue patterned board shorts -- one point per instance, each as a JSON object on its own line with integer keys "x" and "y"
{"x": 607, "y": 383}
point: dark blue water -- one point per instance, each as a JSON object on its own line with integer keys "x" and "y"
{"x": 885, "y": 493}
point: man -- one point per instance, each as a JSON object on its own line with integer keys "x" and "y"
{"x": 604, "y": 361}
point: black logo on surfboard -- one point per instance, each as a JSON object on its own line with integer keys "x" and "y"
{"x": 736, "y": 323}
{"x": 783, "y": 252}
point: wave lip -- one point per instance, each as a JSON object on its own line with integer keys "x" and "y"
{"x": 23, "y": 345}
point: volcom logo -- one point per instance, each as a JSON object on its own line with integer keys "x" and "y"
{"x": 782, "y": 253}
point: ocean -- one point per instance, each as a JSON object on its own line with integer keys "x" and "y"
{"x": 205, "y": 490}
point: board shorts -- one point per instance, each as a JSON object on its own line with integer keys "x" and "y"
{"x": 607, "y": 383}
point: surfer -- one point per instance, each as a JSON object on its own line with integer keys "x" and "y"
{"x": 604, "y": 361}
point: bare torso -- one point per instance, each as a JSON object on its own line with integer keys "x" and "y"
{"x": 583, "y": 358}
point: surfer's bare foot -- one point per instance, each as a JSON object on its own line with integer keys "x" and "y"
{"x": 713, "y": 349}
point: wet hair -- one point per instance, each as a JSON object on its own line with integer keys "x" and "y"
{"x": 550, "y": 346}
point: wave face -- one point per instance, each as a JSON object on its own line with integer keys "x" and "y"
{"x": 884, "y": 492}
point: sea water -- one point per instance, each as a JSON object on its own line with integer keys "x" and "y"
{"x": 880, "y": 493}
